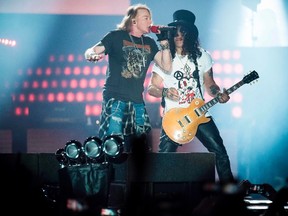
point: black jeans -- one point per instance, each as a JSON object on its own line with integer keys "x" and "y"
{"x": 208, "y": 134}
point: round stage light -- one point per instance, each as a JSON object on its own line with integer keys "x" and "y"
{"x": 93, "y": 147}
{"x": 73, "y": 149}
{"x": 113, "y": 145}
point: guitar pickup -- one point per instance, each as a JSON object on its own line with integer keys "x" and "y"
{"x": 185, "y": 120}
{"x": 180, "y": 123}
{"x": 198, "y": 112}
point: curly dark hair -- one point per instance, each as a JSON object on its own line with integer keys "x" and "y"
{"x": 191, "y": 44}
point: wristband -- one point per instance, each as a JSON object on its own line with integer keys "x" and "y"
{"x": 164, "y": 46}
{"x": 164, "y": 92}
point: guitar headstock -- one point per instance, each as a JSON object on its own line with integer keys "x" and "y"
{"x": 250, "y": 77}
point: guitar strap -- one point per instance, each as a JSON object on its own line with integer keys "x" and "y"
{"x": 196, "y": 76}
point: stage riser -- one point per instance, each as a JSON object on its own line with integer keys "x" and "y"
{"x": 156, "y": 167}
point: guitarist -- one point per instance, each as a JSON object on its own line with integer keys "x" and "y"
{"x": 191, "y": 74}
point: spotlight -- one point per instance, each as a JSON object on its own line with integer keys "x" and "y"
{"x": 93, "y": 147}
{"x": 61, "y": 157}
{"x": 73, "y": 150}
{"x": 113, "y": 145}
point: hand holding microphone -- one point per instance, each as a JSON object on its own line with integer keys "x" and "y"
{"x": 157, "y": 29}
{"x": 163, "y": 32}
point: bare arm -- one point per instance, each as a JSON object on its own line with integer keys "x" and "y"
{"x": 95, "y": 53}
{"x": 213, "y": 89}
{"x": 155, "y": 86}
{"x": 163, "y": 58}
{"x": 156, "y": 89}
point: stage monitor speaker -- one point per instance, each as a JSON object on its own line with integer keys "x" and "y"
{"x": 172, "y": 167}
{"x": 12, "y": 163}
{"x": 42, "y": 168}
{"x": 48, "y": 168}
{"x": 167, "y": 167}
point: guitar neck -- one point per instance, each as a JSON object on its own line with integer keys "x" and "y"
{"x": 215, "y": 100}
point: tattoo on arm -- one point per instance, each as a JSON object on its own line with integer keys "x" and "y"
{"x": 210, "y": 73}
{"x": 214, "y": 89}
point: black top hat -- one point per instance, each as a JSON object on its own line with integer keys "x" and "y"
{"x": 185, "y": 18}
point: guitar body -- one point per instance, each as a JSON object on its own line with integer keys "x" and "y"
{"x": 181, "y": 124}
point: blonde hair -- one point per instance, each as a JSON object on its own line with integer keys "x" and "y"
{"x": 130, "y": 15}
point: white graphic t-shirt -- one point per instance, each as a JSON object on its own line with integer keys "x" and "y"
{"x": 182, "y": 79}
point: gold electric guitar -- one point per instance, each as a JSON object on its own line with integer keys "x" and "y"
{"x": 181, "y": 124}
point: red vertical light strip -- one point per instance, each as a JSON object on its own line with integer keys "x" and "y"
{"x": 18, "y": 111}
{"x": 41, "y": 97}
{"x": 80, "y": 97}
{"x": 31, "y": 97}
{"x": 226, "y": 54}
{"x": 236, "y": 54}
{"x": 54, "y": 84}
{"x": 51, "y": 58}
{"x": 87, "y": 110}
{"x": 61, "y": 58}
{"x": 67, "y": 71}
{"x": 51, "y": 97}
{"x": 96, "y": 110}
{"x": 96, "y": 70}
{"x": 35, "y": 84}
{"x": 22, "y": 98}
{"x": 87, "y": 71}
{"x": 227, "y": 83}
{"x": 64, "y": 84}
{"x": 48, "y": 71}
{"x": 76, "y": 71}
{"x": 60, "y": 97}
{"x": 104, "y": 69}
{"x": 29, "y": 71}
{"x": 92, "y": 83}
{"x": 70, "y": 58}
{"x": 25, "y": 84}
{"x": 89, "y": 96}
{"x": 83, "y": 83}
{"x": 26, "y": 111}
{"x": 73, "y": 83}
{"x": 217, "y": 68}
{"x": 216, "y": 55}
{"x": 80, "y": 58}
{"x": 39, "y": 72}
{"x": 70, "y": 97}
{"x": 227, "y": 68}
{"x": 238, "y": 68}
{"x": 101, "y": 83}
{"x": 57, "y": 71}
{"x": 99, "y": 96}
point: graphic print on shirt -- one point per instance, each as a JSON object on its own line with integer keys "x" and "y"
{"x": 135, "y": 59}
{"x": 187, "y": 87}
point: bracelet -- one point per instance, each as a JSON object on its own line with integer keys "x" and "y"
{"x": 164, "y": 92}
{"x": 164, "y": 46}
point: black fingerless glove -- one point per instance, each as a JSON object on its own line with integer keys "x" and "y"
{"x": 164, "y": 35}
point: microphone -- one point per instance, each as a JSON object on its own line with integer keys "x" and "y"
{"x": 155, "y": 29}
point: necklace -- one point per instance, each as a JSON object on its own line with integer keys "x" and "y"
{"x": 186, "y": 67}
{"x": 138, "y": 51}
